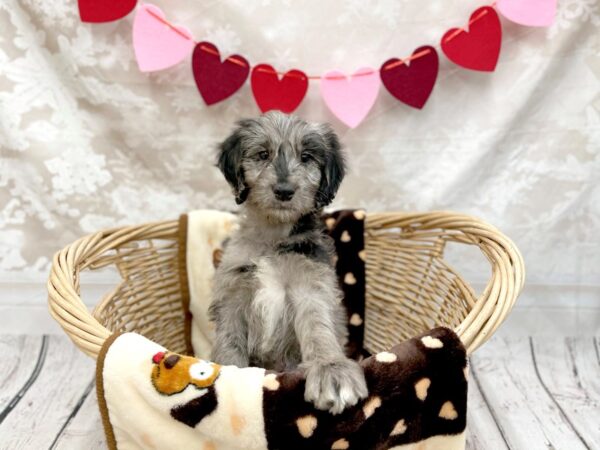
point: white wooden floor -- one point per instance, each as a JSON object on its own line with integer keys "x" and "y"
{"x": 525, "y": 393}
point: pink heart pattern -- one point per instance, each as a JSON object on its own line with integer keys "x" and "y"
{"x": 157, "y": 46}
{"x": 350, "y": 98}
{"x": 531, "y": 13}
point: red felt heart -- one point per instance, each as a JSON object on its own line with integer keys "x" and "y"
{"x": 479, "y": 47}
{"x": 412, "y": 83}
{"x": 217, "y": 80}
{"x": 272, "y": 93}
{"x": 104, "y": 10}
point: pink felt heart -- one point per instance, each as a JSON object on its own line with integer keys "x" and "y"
{"x": 532, "y": 13}
{"x": 350, "y": 99}
{"x": 156, "y": 44}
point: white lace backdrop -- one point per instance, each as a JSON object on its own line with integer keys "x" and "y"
{"x": 87, "y": 141}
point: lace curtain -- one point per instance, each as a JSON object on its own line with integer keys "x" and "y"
{"x": 87, "y": 141}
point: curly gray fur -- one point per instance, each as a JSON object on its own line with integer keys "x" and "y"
{"x": 276, "y": 301}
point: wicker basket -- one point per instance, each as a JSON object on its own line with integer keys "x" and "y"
{"x": 409, "y": 285}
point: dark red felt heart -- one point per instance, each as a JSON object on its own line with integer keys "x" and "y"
{"x": 104, "y": 10}
{"x": 217, "y": 80}
{"x": 412, "y": 84}
{"x": 284, "y": 94}
{"x": 479, "y": 47}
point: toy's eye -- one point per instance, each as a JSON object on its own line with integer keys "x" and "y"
{"x": 305, "y": 157}
{"x": 201, "y": 370}
{"x": 264, "y": 155}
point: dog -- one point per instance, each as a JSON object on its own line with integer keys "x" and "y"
{"x": 276, "y": 302}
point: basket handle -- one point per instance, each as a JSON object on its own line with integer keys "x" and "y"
{"x": 64, "y": 300}
{"x": 508, "y": 271}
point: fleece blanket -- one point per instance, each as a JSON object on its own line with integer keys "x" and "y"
{"x": 151, "y": 398}
{"x": 202, "y": 236}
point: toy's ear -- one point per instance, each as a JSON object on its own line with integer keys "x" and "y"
{"x": 229, "y": 161}
{"x": 333, "y": 170}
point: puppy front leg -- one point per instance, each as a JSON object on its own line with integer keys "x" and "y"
{"x": 231, "y": 339}
{"x": 333, "y": 382}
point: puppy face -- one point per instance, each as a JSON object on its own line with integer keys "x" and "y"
{"x": 282, "y": 166}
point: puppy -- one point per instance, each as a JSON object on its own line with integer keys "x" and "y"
{"x": 276, "y": 301}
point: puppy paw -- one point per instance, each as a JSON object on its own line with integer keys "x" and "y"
{"x": 334, "y": 386}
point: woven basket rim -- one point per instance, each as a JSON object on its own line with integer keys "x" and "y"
{"x": 489, "y": 311}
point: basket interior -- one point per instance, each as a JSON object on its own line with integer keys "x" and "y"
{"x": 410, "y": 287}
{"x": 147, "y": 300}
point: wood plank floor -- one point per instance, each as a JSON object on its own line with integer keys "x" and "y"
{"x": 525, "y": 393}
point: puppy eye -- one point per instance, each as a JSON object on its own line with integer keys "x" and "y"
{"x": 305, "y": 157}
{"x": 264, "y": 155}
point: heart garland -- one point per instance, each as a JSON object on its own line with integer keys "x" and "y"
{"x": 159, "y": 44}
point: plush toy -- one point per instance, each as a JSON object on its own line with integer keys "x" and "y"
{"x": 172, "y": 373}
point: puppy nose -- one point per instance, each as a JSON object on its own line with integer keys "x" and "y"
{"x": 283, "y": 191}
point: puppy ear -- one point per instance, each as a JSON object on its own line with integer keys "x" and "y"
{"x": 333, "y": 171}
{"x": 229, "y": 161}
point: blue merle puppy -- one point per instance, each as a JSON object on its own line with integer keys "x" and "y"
{"x": 276, "y": 301}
